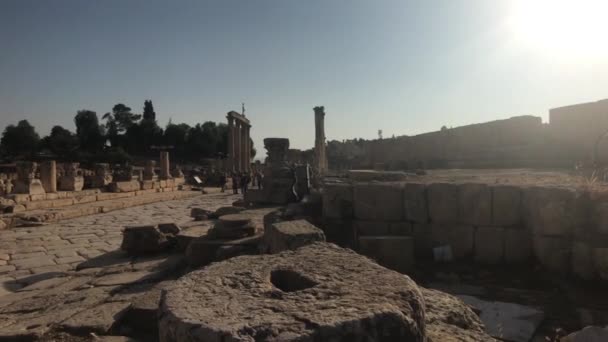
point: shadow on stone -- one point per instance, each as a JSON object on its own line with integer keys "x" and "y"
{"x": 290, "y": 281}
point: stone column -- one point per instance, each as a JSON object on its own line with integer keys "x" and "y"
{"x": 238, "y": 147}
{"x": 320, "y": 157}
{"x": 244, "y": 144}
{"x": 48, "y": 175}
{"x": 230, "y": 152}
{"x": 149, "y": 170}
{"x": 165, "y": 172}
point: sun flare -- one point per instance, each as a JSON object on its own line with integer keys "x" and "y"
{"x": 572, "y": 28}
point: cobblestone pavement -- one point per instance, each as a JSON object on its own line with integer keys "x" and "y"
{"x": 60, "y": 246}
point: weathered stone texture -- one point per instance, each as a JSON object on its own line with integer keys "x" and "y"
{"x": 415, "y": 202}
{"x": 518, "y": 245}
{"x": 443, "y": 203}
{"x": 378, "y": 202}
{"x": 290, "y": 235}
{"x": 489, "y": 245}
{"x": 126, "y": 186}
{"x": 506, "y": 205}
{"x": 582, "y": 260}
{"x": 553, "y": 253}
{"x": 143, "y": 239}
{"x": 370, "y": 228}
{"x": 475, "y": 204}
{"x": 460, "y": 237}
{"x": 341, "y": 298}
{"x": 394, "y": 252}
{"x": 338, "y": 201}
{"x": 551, "y": 211}
{"x": 600, "y": 260}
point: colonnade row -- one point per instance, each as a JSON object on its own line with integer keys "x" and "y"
{"x": 239, "y": 143}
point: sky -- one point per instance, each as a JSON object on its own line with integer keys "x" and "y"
{"x": 405, "y": 67}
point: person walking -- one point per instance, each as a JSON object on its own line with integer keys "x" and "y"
{"x": 223, "y": 181}
{"x": 258, "y": 177}
{"x": 235, "y": 183}
{"x": 244, "y": 182}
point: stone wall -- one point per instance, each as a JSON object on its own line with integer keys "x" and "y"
{"x": 563, "y": 230}
{"x": 521, "y": 141}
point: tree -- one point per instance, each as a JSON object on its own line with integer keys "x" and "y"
{"x": 149, "y": 114}
{"x": 61, "y": 142}
{"x": 21, "y": 140}
{"x": 118, "y": 122}
{"x": 90, "y": 134}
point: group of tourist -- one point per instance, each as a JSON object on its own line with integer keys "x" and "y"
{"x": 242, "y": 180}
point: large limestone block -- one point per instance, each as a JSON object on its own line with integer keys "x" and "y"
{"x": 489, "y": 245}
{"x": 378, "y": 202}
{"x": 290, "y": 235}
{"x": 415, "y": 202}
{"x": 600, "y": 260}
{"x": 126, "y": 186}
{"x": 518, "y": 245}
{"x": 394, "y": 252}
{"x": 340, "y": 232}
{"x": 423, "y": 240}
{"x": 475, "y": 204}
{"x": 553, "y": 253}
{"x": 551, "y": 211}
{"x": 443, "y": 203}
{"x": 506, "y": 205}
{"x": 582, "y": 260}
{"x": 143, "y": 239}
{"x": 459, "y": 236}
{"x": 338, "y": 201}
{"x": 371, "y": 228}
{"x": 450, "y": 319}
{"x": 601, "y": 217}
{"x": 366, "y": 300}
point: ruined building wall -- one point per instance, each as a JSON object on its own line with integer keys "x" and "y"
{"x": 562, "y": 229}
{"x": 579, "y": 126}
{"x": 503, "y": 143}
{"x": 522, "y": 141}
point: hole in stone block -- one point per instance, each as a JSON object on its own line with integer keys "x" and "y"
{"x": 290, "y": 281}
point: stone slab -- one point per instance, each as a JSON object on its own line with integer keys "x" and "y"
{"x": 415, "y": 202}
{"x": 394, "y": 252}
{"x": 378, "y": 202}
{"x": 443, "y": 203}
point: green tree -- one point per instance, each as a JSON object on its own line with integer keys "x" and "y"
{"x": 20, "y": 141}
{"x": 61, "y": 142}
{"x": 149, "y": 114}
{"x": 90, "y": 134}
{"x": 118, "y": 122}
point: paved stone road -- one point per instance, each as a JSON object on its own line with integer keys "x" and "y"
{"x": 62, "y": 245}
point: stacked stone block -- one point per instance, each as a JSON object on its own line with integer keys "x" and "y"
{"x": 564, "y": 230}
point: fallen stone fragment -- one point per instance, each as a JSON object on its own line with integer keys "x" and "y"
{"x": 143, "y": 239}
{"x": 169, "y": 228}
{"x": 226, "y": 211}
{"x": 200, "y": 214}
{"x": 292, "y": 296}
{"x": 290, "y": 235}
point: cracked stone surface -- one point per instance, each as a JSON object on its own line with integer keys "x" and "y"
{"x": 60, "y": 246}
{"x": 292, "y": 296}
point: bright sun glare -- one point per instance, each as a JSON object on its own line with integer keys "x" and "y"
{"x": 572, "y": 28}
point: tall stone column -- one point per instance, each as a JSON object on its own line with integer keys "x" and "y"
{"x": 244, "y": 144}
{"x": 48, "y": 175}
{"x": 320, "y": 157}
{"x": 149, "y": 170}
{"x": 230, "y": 158}
{"x": 248, "y": 148}
{"x": 165, "y": 172}
{"x": 238, "y": 147}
